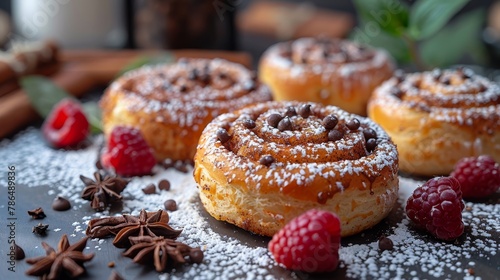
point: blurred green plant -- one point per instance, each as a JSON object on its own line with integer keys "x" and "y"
{"x": 44, "y": 95}
{"x": 420, "y": 34}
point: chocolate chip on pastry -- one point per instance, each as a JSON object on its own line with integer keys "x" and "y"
{"x": 328, "y": 71}
{"x": 438, "y": 117}
{"x": 265, "y": 176}
{"x": 171, "y": 104}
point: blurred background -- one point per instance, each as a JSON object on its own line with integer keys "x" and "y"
{"x": 247, "y": 25}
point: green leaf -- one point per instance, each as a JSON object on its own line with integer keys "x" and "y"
{"x": 147, "y": 60}
{"x": 93, "y": 114}
{"x": 396, "y": 46}
{"x": 390, "y": 16}
{"x": 428, "y": 16}
{"x": 43, "y": 93}
{"x": 451, "y": 43}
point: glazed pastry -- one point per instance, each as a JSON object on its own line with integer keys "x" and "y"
{"x": 328, "y": 71}
{"x": 171, "y": 104}
{"x": 438, "y": 117}
{"x": 263, "y": 165}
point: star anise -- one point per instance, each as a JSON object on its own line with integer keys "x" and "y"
{"x": 66, "y": 262}
{"x": 147, "y": 224}
{"x": 40, "y": 229}
{"x": 102, "y": 191}
{"x": 161, "y": 251}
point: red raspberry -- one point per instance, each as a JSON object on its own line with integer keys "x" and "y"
{"x": 437, "y": 207}
{"x": 309, "y": 242}
{"x": 478, "y": 177}
{"x": 66, "y": 124}
{"x": 128, "y": 153}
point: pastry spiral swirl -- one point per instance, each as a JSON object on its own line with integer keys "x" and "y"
{"x": 171, "y": 104}
{"x": 263, "y": 165}
{"x": 327, "y": 71}
{"x": 438, "y": 117}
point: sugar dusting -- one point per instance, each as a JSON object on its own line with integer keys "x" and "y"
{"x": 228, "y": 257}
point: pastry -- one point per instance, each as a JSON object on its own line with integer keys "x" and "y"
{"x": 171, "y": 104}
{"x": 328, "y": 71}
{"x": 263, "y": 165}
{"x": 438, "y": 117}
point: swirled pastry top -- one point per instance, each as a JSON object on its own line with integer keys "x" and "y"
{"x": 325, "y": 56}
{"x": 197, "y": 86}
{"x": 304, "y": 150}
{"x": 454, "y": 96}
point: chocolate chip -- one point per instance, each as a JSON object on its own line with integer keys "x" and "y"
{"x": 40, "y": 229}
{"x": 223, "y": 135}
{"x": 446, "y": 80}
{"x": 290, "y": 111}
{"x": 436, "y": 74}
{"x": 305, "y": 110}
{"x": 330, "y": 121}
{"x": 371, "y": 144}
{"x": 334, "y": 135}
{"x": 353, "y": 124}
{"x": 149, "y": 189}
{"x": 61, "y": 204}
{"x": 266, "y": 160}
{"x": 274, "y": 119}
{"x": 465, "y": 72}
{"x": 249, "y": 85}
{"x": 181, "y": 166}
{"x": 222, "y": 76}
{"x": 285, "y": 124}
{"x": 462, "y": 71}
{"x": 397, "y": 92}
{"x": 19, "y": 252}
{"x": 322, "y": 197}
{"x": 196, "y": 255}
{"x": 170, "y": 205}
{"x": 249, "y": 123}
{"x": 164, "y": 185}
{"x": 98, "y": 164}
{"x": 303, "y": 59}
{"x": 37, "y": 213}
{"x": 399, "y": 75}
{"x": 325, "y": 53}
{"x": 385, "y": 243}
{"x": 193, "y": 75}
{"x": 205, "y": 78}
{"x": 369, "y": 133}
{"x": 182, "y": 88}
{"x": 167, "y": 163}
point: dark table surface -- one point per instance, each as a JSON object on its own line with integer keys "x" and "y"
{"x": 44, "y": 173}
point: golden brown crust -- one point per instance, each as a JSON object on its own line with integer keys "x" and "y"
{"x": 171, "y": 104}
{"x": 436, "y": 118}
{"x": 240, "y": 185}
{"x": 327, "y": 71}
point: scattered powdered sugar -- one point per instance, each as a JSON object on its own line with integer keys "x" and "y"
{"x": 231, "y": 257}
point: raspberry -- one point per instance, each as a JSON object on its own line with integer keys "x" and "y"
{"x": 309, "y": 242}
{"x": 66, "y": 124}
{"x": 437, "y": 206}
{"x": 479, "y": 177}
{"x": 128, "y": 153}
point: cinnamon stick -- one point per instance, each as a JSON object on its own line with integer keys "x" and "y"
{"x": 16, "y": 110}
